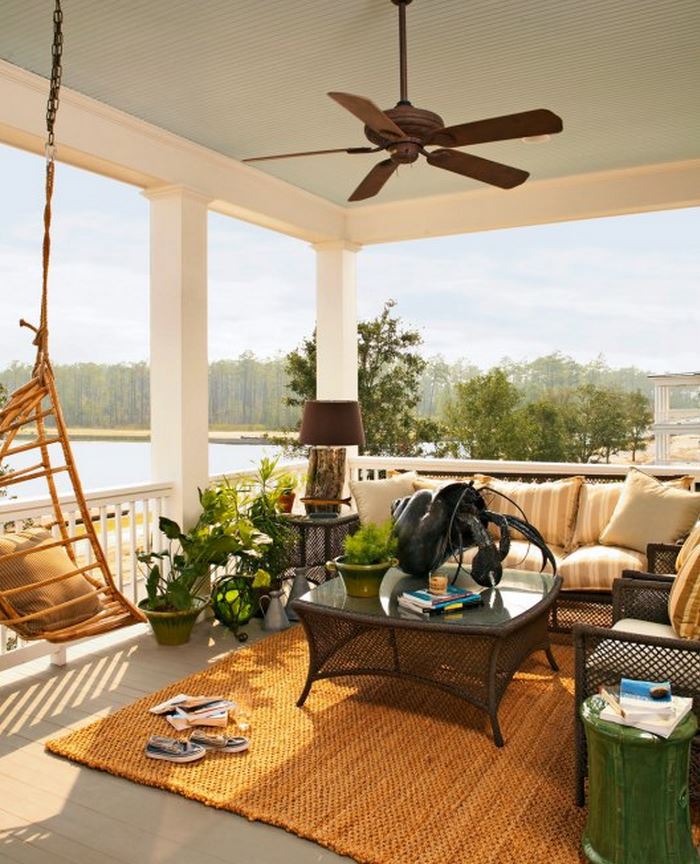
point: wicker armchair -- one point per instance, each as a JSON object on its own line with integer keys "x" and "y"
{"x": 605, "y": 655}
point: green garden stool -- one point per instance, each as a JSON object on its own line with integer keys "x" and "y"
{"x": 637, "y": 792}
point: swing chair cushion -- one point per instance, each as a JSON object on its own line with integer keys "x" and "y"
{"x": 36, "y": 567}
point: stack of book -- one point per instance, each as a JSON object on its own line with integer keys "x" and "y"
{"x": 424, "y": 603}
{"x": 646, "y": 705}
{"x": 184, "y": 712}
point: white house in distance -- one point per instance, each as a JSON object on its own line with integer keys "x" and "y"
{"x": 670, "y": 421}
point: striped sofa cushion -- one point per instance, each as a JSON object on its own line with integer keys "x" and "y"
{"x": 684, "y": 602}
{"x": 595, "y": 507}
{"x": 551, "y": 507}
{"x": 594, "y": 568}
{"x": 522, "y": 556}
{"x": 35, "y": 567}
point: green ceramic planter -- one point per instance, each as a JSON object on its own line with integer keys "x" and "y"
{"x": 361, "y": 580}
{"x": 171, "y": 628}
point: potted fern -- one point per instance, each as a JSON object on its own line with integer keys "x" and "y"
{"x": 368, "y": 554}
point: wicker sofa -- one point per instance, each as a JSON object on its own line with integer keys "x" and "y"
{"x": 571, "y": 513}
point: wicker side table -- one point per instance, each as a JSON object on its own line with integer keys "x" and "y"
{"x": 637, "y": 792}
{"x": 318, "y": 541}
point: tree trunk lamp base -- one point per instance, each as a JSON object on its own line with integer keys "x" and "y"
{"x": 329, "y": 426}
{"x": 326, "y": 477}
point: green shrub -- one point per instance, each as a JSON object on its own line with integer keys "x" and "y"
{"x": 370, "y": 544}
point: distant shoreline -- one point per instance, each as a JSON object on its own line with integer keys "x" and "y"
{"x": 216, "y": 436}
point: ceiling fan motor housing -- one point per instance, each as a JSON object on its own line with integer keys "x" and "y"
{"x": 417, "y": 124}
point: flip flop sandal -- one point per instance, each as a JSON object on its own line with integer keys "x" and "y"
{"x": 173, "y": 749}
{"x": 220, "y": 743}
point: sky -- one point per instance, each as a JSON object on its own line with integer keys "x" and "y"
{"x": 627, "y": 288}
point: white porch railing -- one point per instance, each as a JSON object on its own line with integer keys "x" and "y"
{"x": 126, "y": 521}
{"x": 373, "y": 467}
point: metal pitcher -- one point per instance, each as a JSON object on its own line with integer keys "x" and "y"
{"x": 275, "y": 614}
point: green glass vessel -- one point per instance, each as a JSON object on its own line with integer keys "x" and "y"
{"x": 637, "y": 792}
{"x": 234, "y": 601}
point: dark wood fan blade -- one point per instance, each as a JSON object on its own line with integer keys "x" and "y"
{"x": 374, "y": 181}
{"x": 537, "y": 122}
{"x": 367, "y": 111}
{"x": 478, "y": 168}
{"x": 313, "y": 153}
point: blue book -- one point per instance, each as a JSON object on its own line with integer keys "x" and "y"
{"x": 425, "y": 598}
{"x": 652, "y": 697}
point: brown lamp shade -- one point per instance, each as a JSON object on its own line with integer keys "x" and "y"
{"x": 334, "y": 423}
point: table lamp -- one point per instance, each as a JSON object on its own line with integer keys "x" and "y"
{"x": 329, "y": 426}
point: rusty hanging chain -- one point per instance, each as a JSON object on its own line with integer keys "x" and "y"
{"x": 56, "y": 73}
{"x": 42, "y": 332}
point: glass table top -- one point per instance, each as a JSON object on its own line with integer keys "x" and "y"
{"x": 516, "y": 593}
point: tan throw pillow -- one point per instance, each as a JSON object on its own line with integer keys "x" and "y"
{"x": 374, "y": 497}
{"x": 597, "y": 505}
{"x": 551, "y": 506}
{"x": 684, "y": 602}
{"x": 35, "y": 567}
{"x": 650, "y": 512}
{"x": 691, "y": 542}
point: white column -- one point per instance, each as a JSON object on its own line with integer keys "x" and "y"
{"x": 336, "y": 320}
{"x": 179, "y": 356}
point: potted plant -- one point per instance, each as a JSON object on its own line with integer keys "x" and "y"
{"x": 178, "y": 579}
{"x": 254, "y": 568}
{"x": 255, "y": 499}
{"x": 285, "y": 484}
{"x": 368, "y": 554}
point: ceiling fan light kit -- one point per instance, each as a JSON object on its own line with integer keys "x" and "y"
{"x": 404, "y": 132}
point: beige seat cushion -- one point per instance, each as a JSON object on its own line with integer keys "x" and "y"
{"x": 374, "y": 497}
{"x": 684, "y": 601}
{"x": 35, "y": 567}
{"x": 692, "y": 540}
{"x": 650, "y": 512}
{"x": 645, "y": 628}
{"x": 594, "y": 568}
{"x": 551, "y": 506}
{"x": 522, "y": 556}
{"x": 597, "y": 504}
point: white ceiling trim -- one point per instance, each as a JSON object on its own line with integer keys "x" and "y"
{"x": 667, "y": 186}
{"x": 100, "y": 138}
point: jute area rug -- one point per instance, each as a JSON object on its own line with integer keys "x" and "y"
{"x": 384, "y": 771}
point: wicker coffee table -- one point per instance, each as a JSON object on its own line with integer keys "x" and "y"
{"x": 472, "y": 654}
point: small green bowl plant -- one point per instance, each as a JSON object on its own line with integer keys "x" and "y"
{"x": 368, "y": 554}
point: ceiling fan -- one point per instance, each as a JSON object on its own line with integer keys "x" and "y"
{"x": 404, "y": 132}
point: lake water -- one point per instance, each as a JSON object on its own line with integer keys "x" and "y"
{"x": 121, "y": 463}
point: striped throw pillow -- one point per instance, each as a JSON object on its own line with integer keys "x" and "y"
{"x": 684, "y": 602}
{"x": 551, "y": 506}
{"x": 692, "y": 540}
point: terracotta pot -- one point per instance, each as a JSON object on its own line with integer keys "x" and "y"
{"x": 285, "y": 502}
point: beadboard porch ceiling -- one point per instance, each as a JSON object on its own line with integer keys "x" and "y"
{"x": 244, "y": 77}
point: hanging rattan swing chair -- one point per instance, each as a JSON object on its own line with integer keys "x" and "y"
{"x": 46, "y": 590}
